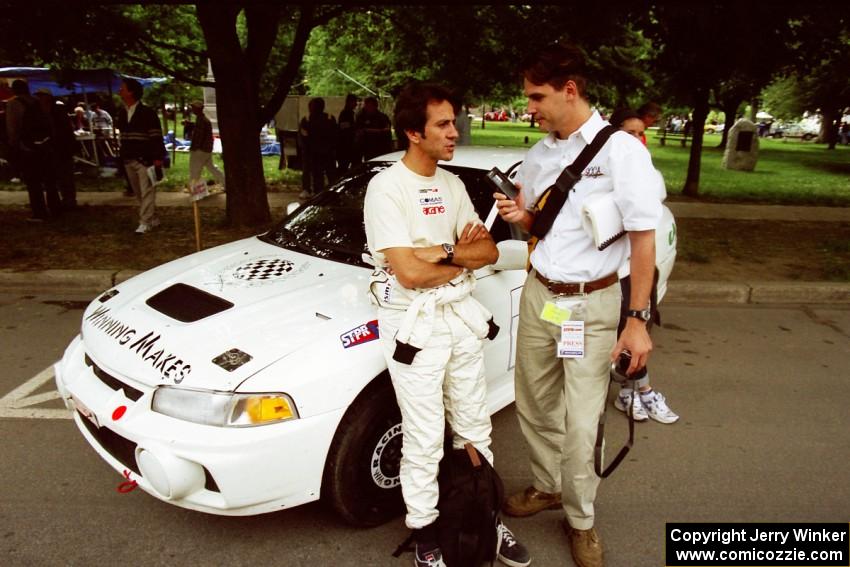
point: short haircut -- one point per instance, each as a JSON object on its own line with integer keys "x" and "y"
{"x": 621, "y": 115}
{"x": 316, "y": 105}
{"x": 20, "y": 87}
{"x": 350, "y": 97}
{"x": 556, "y": 64}
{"x": 649, "y": 109}
{"x": 134, "y": 87}
{"x": 411, "y": 107}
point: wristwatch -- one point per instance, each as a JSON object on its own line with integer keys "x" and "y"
{"x": 450, "y": 253}
{"x": 643, "y": 314}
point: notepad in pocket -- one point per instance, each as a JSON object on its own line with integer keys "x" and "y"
{"x": 602, "y": 220}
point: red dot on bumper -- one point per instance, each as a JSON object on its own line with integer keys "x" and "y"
{"x": 118, "y": 413}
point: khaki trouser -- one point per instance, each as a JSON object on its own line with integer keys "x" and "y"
{"x": 198, "y": 160}
{"x": 559, "y": 400}
{"x": 144, "y": 190}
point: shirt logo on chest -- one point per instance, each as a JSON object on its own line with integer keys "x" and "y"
{"x": 431, "y": 201}
{"x": 592, "y": 171}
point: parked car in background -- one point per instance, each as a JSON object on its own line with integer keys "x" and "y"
{"x": 801, "y": 131}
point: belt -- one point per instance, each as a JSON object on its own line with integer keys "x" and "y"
{"x": 562, "y": 288}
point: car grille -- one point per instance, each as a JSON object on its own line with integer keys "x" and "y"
{"x": 120, "y": 448}
{"x": 112, "y": 382}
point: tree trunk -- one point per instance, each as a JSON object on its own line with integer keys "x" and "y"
{"x": 829, "y": 128}
{"x": 691, "y": 188}
{"x": 238, "y": 111}
{"x": 730, "y": 109}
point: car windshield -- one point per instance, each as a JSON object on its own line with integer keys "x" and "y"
{"x": 331, "y": 225}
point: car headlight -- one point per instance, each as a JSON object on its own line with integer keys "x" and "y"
{"x": 223, "y": 409}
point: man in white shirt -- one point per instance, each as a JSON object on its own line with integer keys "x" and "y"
{"x": 426, "y": 238}
{"x": 560, "y": 395}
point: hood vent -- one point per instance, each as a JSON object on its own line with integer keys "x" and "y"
{"x": 187, "y": 304}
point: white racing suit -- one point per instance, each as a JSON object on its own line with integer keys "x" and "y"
{"x": 445, "y": 379}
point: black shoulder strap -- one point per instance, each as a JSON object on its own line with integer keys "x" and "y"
{"x": 600, "y": 437}
{"x": 560, "y": 190}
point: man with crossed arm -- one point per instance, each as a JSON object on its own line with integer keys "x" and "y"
{"x": 426, "y": 238}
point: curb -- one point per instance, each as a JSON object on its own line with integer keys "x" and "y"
{"x": 679, "y": 292}
{"x": 690, "y": 292}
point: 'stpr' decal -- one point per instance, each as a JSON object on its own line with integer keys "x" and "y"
{"x": 360, "y": 335}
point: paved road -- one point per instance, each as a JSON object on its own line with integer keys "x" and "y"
{"x": 763, "y": 437}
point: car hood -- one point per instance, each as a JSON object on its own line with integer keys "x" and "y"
{"x": 255, "y": 303}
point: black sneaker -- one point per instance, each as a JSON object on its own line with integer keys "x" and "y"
{"x": 508, "y": 550}
{"x": 428, "y": 558}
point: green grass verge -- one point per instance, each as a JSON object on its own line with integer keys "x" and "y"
{"x": 788, "y": 172}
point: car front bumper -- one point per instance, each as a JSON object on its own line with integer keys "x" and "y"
{"x": 220, "y": 470}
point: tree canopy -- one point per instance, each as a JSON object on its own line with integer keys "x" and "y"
{"x": 693, "y": 55}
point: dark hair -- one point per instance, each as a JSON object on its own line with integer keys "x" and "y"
{"x": 649, "y": 109}
{"x": 20, "y": 87}
{"x": 134, "y": 87}
{"x": 350, "y": 97}
{"x": 621, "y": 115}
{"x": 316, "y": 105}
{"x": 370, "y": 100}
{"x": 411, "y": 107}
{"x": 556, "y": 64}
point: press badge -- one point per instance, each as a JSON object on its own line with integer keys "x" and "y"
{"x": 572, "y": 340}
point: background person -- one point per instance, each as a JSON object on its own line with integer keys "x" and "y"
{"x": 29, "y": 137}
{"x": 64, "y": 146}
{"x": 141, "y": 148}
{"x": 649, "y": 403}
{"x": 346, "y": 151}
{"x": 318, "y": 133}
{"x": 373, "y": 135}
{"x": 200, "y": 150}
{"x": 423, "y": 256}
{"x": 559, "y": 400}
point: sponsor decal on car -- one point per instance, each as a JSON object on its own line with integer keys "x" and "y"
{"x": 232, "y": 359}
{"x": 359, "y": 335}
{"x": 259, "y": 271}
{"x": 169, "y": 365}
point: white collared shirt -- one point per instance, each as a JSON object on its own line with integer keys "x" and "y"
{"x": 131, "y": 109}
{"x": 623, "y": 165}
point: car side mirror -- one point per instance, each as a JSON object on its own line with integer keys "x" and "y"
{"x": 513, "y": 255}
{"x": 290, "y": 208}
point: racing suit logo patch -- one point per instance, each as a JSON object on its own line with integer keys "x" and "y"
{"x": 359, "y": 335}
{"x": 434, "y": 210}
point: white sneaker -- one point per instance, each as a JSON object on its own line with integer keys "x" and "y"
{"x": 656, "y": 407}
{"x": 622, "y": 402}
{"x": 143, "y": 228}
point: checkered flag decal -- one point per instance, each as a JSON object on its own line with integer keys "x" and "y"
{"x": 266, "y": 269}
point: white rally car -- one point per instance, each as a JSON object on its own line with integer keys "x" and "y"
{"x": 247, "y": 378}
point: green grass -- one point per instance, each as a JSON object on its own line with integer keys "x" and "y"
{"x": 505, "y": 134}
{"x": 789, "y": 172}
